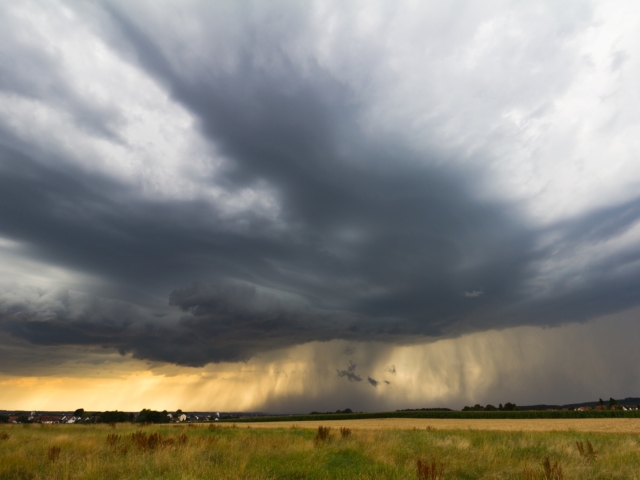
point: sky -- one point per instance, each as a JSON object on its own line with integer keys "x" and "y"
{"x": 291, "y": 206}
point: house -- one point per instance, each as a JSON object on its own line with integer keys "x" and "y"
{"x": 585, "y": 408}
{"x": 48, "y": 419}
{"x": 182, "y": 418}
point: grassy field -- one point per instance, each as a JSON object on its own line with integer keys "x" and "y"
{"x": 246, "y": 452}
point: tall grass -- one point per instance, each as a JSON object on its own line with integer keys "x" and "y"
{"x": 222, "y": 452}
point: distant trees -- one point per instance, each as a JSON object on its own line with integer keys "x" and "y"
{"x": 4, "y": 418}
{"x": 152, "y": 416}
{"x": 490, "y": 408}
{"x": 346, "y": 410}
{"x": 79, "y": 412}
{"x": 112, "y": 417}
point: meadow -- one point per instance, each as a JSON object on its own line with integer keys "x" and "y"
{"x": 338, "y": 450}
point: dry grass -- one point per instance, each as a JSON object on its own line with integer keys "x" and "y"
{"x": 223, "y": 452}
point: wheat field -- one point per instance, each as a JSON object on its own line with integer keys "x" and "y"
{"x": 602, "y": 425}
{"x": 364, "y": 450}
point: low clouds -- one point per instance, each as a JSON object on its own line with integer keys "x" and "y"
{"x": 259, "y": 180}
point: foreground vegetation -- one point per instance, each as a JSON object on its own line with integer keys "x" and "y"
{"x": 238, "y": 452}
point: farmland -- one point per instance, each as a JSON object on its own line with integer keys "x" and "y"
{"x": 385, "y": 449}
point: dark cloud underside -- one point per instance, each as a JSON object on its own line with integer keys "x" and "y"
{"x": 373, "y": 239}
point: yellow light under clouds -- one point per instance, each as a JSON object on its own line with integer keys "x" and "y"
{"x": 522, "y": 364}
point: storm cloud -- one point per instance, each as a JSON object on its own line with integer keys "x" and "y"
{"x": 204, "y": 182}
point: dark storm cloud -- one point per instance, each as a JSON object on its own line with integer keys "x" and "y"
{"x": 374, "y": 239}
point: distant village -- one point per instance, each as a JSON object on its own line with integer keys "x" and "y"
{"x": 144, "y": 416}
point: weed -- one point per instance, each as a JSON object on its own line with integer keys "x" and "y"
{"x": 549, "y": 471}
{"x": 150, "y": 442}
{"x": 433, "y": 471}
{"x": 429, "y": 428}
{"x": 528, "y": 473}
{"x": 4, "y": 436}
{"x": 345, "y": 432}
{"x": 191, "y": 425}
{"x": 588, "y": 453}
{"x": 112, "y": 424}
{"x": 113, "y": 439}
{"x": 552, "y": 472}
{"x": 53, "y": 453}
{"x": 154, "y": 440}
{"x": 140, "y": 439}
{"x": 324, "y": 434}
{"x": 295, "y": 426}
{"x": 213, "y": 426}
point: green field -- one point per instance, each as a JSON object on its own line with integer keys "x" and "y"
{"x": 228, "y": 452}
{"x": 517, "y": 414}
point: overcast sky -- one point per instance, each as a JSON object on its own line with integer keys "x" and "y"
{"x": 327, "y": 203}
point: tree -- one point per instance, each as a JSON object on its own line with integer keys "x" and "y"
{"x": 78, "y": 412}
{"x": 22, "y": 418}
{"x": 112, "y": 417}
{"x": 152, "y": 416}
{"x": 612, "y": 403}
{"x": 490, "y": 408}
{"x": 601, "y": 403}
{"x": 500, "y": 407}
{"x": 510, "y": 406}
